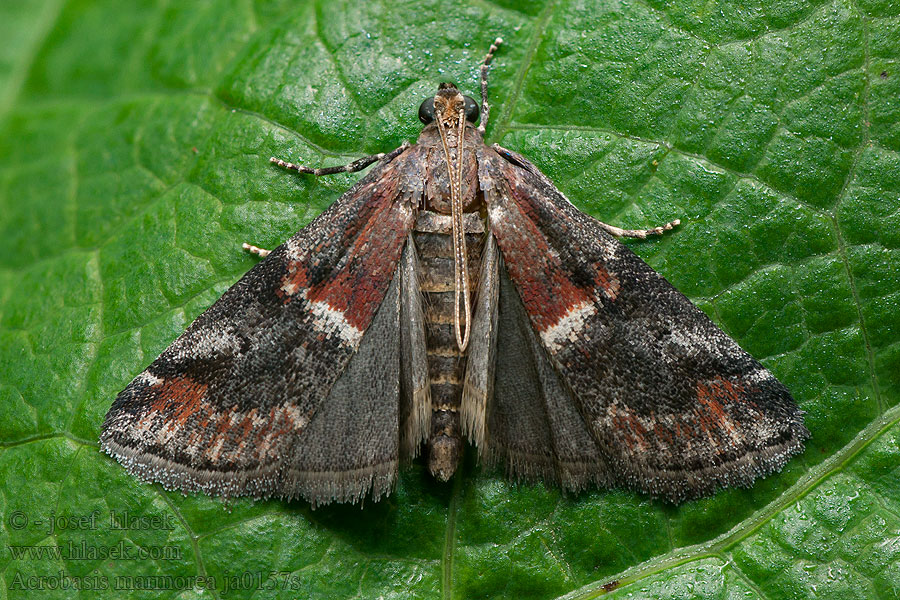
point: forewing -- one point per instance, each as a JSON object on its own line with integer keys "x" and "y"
{"x": 247, "y": 400}
{"x": 676, "y": 408}
{"x": 533, "y": 426}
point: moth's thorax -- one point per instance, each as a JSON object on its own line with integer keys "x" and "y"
{"x": 437, "y": 180}
{"x": 394, "y": 320}
{"x": 430, "y": 138}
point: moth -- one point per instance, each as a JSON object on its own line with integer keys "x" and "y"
{"x": 453, "y": 293}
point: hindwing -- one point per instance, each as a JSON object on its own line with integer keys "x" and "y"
{"x": 668, "y": 403}
{"x": 289, "y": 385}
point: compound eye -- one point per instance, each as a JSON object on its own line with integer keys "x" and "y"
{"x": 471, "y": 109}
{"x": 426, "y": 110}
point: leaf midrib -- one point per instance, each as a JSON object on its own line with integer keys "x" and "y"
{"x": 721, "y": 545}
{"x": 714, "y": 547}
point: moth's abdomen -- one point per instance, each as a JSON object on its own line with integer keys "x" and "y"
{"x": 446, "y": 362}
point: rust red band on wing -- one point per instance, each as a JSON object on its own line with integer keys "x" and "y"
{"x": 357, "y": 289}
{"x": 181, "y": 396}
{"x": 541, "y": 274}
{"x": 721, "y": 412}
{"x": 717, "y": 404}
{"x": 374, "y": 241}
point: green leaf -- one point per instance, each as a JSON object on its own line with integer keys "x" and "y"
{"x": 133, "y": 162}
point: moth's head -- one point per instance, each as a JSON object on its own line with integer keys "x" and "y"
{"x": 446, "y": 106}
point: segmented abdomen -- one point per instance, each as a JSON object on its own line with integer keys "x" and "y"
{"x": 446, "y": 362}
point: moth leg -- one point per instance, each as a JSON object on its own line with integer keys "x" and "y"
{"x": 255, "y": 250}
{"x": 639, "y": 233}
{"x": 485, "y": 66}
{"x": 519, "y": 160}
{"x": 356, "y": 165}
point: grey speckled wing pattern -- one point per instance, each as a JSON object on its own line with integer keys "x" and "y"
{"x": 452, "y": 294}
{"x": 658, "y": 398}
{"x": 247, "y": 401}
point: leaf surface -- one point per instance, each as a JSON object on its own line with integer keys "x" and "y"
{"x": 133, "y": 163}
